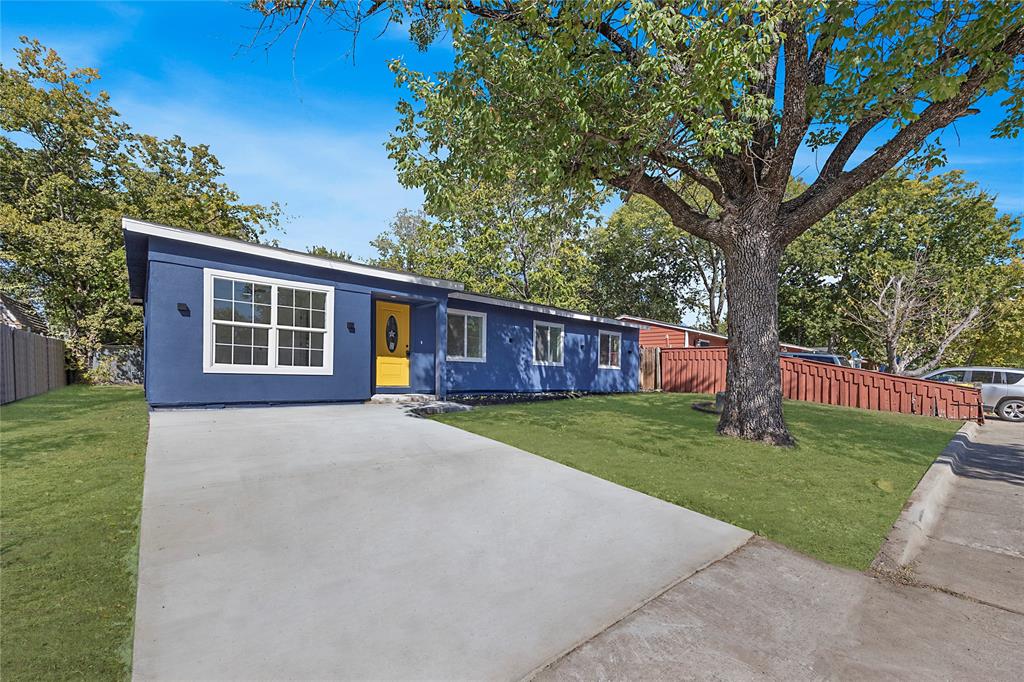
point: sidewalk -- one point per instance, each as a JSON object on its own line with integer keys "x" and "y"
{"x": 766, "y": 611}
{"x": 977, "y": 546}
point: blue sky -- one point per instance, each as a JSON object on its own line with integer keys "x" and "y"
{"x": 309, "y": 132}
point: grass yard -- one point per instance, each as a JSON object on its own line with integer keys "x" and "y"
{"x": 834, "y": 496}
{"x": 71, "y": 465}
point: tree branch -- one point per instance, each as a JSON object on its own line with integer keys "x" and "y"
{"x": 682, "y": 215}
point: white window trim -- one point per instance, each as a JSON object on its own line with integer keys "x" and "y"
{"x": 601, "y": 333}
{"x": 483, "y": 339}
{"x": 210, "y": 367}
{"x": 533, "y": 344}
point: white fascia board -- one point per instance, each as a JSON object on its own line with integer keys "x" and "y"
{"x": 205, "y": 239}
{"x": 543, "y": 309}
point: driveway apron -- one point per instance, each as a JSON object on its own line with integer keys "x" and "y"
{"x": 356, "y": 542}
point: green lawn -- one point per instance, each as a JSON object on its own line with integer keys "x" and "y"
{"x": 834, "y": 496}
{"x": 71, "y": 466}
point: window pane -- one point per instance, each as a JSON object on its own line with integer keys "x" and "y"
{"x": 284, "y": 356}
{"x": 556, "y": 344}
{"x": 261, "y": 293}
{"x": 243, "y": 355}
{"x": 243, "y": 312}
{"x": 605, "y": 345}
{"x": 1013, "y": 377}
{"x": 301, "y": 298}
{"x": 222, "y": 333}
{"x": 983, "y": 376}
{"x": 261, "y": 314}
{"x": 319, "y": 300}
{"x": 456, "y": 335}
{"x": 614, "y": 352}
{"x": 302, "y": 339}
{"x": 301, "y": 318}
{"x": 260, "y": 337}
{"x": 284, "y": 338}
{"x": 316, "y": 358}
{"x": 259, "y": 356}
{"x": 222, "y": 354}
{"x": 285, "y": 296}
{"x": 285, "y": 316}
{"x": 243, "y": 336}
{"x": 317, "y": 341}
{"x": 222, "y": 288}
{"x": 301, "y": 358}
{"x": 221, "y": 310}
{"x": 474, "y": 336}
{"x": 540, "y": 341}
{"x": 243, "y": 291}
{"x": 317, "y": 320}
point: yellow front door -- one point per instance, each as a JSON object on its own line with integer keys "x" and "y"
{"x": 392, "y": 344}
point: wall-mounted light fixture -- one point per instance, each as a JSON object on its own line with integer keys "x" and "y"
{"x": 351, "y": 327}
{"x": 184, "y": 310}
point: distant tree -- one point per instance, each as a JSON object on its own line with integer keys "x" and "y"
{"x": 326, "y": 252}
{"x": 722, "y": 92}
{"x": 499, "y": 240}
{"x": 901, "y": 272}
{"x": 68, "y": 171}
{"x": 999, "y": 340}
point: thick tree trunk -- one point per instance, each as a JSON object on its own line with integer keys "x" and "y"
{"x": 753, "y": 401}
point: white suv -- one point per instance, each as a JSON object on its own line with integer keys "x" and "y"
{"x": 1002, "y": 388}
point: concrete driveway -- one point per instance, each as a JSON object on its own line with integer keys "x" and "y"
{"x": 356, "y": 542}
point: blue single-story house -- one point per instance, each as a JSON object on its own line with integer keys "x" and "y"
{"x": 233, "y": 322}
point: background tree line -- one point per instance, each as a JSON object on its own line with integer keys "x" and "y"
{"x": 911, "y": 272}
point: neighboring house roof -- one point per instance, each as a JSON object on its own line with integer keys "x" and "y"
{"x": 659, "y": 323}
{"x": 138, "y": 231}
{"x": 21, "y": 315}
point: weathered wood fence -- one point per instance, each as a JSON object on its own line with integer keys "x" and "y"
{"x": 702, "y": 370}
{"x": 650, "y": 369}
{"x": 30, "y": 364}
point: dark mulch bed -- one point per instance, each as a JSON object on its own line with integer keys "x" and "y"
{"x": 510, "y": 398}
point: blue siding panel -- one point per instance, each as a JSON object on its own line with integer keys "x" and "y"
{"x": 174, "y": 342}
{"x": 510, "y": 367}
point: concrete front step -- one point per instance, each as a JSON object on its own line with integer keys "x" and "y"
{"x": 393, "y": 398}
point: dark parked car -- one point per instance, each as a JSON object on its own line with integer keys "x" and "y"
{"x": 1002, "y": 388}
{"x": 826, "y": 358}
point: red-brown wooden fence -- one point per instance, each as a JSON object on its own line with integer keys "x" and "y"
{"x": 702, "y": 370}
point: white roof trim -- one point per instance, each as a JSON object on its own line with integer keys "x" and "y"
{"x": 204, "y": 239}
{"x": 659, "y": 323}
{"x": 546, "y": 310}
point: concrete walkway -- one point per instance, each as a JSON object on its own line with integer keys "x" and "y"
{"x": 977, "y": 546}
{"x": 354, "y": 542}
{"x": 766, "y": 611}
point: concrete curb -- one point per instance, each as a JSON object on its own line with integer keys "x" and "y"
{"x": 924, "y": 507}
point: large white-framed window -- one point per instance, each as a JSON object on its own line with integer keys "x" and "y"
{"x": 467, "y": 336}
{"x": 609, "y": 350}
{"x": 548, "y": 343}
{"x": 263, "y": 325}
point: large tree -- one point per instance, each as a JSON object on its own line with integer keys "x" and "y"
{"x": 69, "y": 169}
{"x": 903, "y": 272}
{"x": 635, "y": 93}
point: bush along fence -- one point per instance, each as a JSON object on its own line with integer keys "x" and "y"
{"x": 116, "y": 365}
{"x": 702, "y": 370}
{"x": 30, "y": 364}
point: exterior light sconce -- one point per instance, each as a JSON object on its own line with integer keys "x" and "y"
{"x": 351, "y": 326}
{"x": 184, "y": 310}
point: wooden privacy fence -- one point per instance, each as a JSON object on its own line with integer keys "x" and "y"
{"x": 702, "y": 370}
{"x": 30, "y": 364}
{"x": 650, "y": 369}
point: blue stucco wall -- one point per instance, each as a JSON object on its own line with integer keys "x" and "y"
{"x": 174, "y": 343}
{"x": 510, "y": 367}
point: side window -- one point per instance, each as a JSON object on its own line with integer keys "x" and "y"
{"x": 983, "y": 376}
{"x": 1013, "y": 377}
{"x": 951, "y": 377}
{"x": 609, "y": 351}
{"x": 547, "y": 343}
{"x": 467, "y": 333}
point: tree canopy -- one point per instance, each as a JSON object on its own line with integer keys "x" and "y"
{"x": 70, "y": 168}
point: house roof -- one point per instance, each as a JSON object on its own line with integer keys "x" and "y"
{"x": 21, "y": 315}
{"x": 537, "y": 308}
{"x": 137, "y": 231}
{"x": 659, "y": 323}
